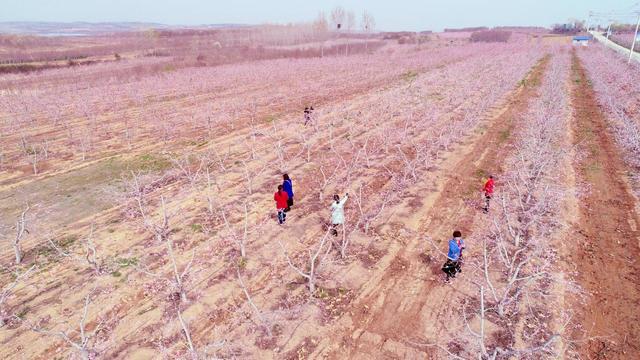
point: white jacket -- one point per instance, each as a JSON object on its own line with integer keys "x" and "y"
{"x": 337, "y": 211}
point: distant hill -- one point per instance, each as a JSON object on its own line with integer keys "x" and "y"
{"x": 86, "y": 28}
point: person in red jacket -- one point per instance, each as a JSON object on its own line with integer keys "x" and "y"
{"x": 281, "y": 198}
{"x": 488, "y": 193}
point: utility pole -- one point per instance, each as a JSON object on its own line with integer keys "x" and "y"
{"x": 589, "y": 21}
{"x": 609, "y": 29}
{"x": 635, "y": 37}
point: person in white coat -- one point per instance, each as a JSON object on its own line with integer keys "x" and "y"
{"x": 337, "y": 213}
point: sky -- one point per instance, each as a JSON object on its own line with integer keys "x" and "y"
{"x": 390, "y": 15}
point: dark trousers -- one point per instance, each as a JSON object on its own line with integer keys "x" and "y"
{"x": 281, "y": 216}
{"x": 487, "y": 198}
{"x": 451, "y": 268}
{"x": 289, "y": 204}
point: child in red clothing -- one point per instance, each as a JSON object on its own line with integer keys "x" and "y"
{"x": 488, "y": 193}
{"x": 281, "y": 198}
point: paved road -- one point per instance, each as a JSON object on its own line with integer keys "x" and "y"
{"x": 621, "y": 49}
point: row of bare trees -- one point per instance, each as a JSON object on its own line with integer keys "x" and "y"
{"x": 516, "y": 272}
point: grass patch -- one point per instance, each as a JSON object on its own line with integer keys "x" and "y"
{"x": 148, "y": 162}
{"x": 269, "y": 119}
{"x": 593, "y": 167}
{"x": 196, "y": 143}
{"x": 410, "y": 75}
{"x": 116, "y": 273}
{"x": 20, "y": 314}
{"x": 481, "y": 173}
{"x": 45, "y": 251}
{"x": 146, "y": 310}
{"x": 504, "y": 135}
{"x": 67, "y": 241}
{"x": 196, "y": 228}
{"x": 321, "y": 293}
{"x": 124, "y": 262}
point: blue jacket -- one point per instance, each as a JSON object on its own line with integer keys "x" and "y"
{"x": 287, "y": 186}
{"x": 454, "y": 250}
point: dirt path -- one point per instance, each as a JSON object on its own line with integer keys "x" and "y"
{"x": 606, "y": 252}
{"x": 403, "y": 303}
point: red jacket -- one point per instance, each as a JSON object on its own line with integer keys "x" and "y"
{"x": 281, "y": 198}
{"x": 488, "y": 187}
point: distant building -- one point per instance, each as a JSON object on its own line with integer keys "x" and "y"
{"x": 581, "y": 40}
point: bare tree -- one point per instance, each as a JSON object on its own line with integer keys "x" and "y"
{"x": 410, "y": 164}
{"x": 85, "y": 346}
{"x": 240, "y": 240}
{"x": 91, "y": 253}
{"x": 323, "y": 181}
{"x": 187, "y": 168}
{"x": 7, "y": 291}
{"x": 338, "y": 15}
{"x": 209, "y": 192}
{"x": 368, "y": 215}
{"x": 307, "y": 146}
{"x": 20, "y": 232}
{"x": 222, "y": 159}
{"x": 280, "y": 154}
{"x": 315, "y": 261}
{"x": 350, "y": 24}
{"x": 249, "y": 175}
{"x": 33, "y": 159}
{"x": 368, "y": 24}
{"x": 321, "y": 27}
{"x": 45, "y": 149}
{"x": 320, "y": 24}
{"x": 162, "y": 233}
{"x": 85, "y": 144}
{"x": 255, "y": 309}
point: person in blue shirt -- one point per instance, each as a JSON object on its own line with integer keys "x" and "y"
{"x": 454, "y": 256}
{"x": 287, "y": 186}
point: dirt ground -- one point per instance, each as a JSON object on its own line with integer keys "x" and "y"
{"x": 605, "y": 248}
{"x": 387, "y": 299}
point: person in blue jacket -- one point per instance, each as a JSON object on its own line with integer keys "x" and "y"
{"x": 454, "y": 256}
{"x": 287, "y": 186}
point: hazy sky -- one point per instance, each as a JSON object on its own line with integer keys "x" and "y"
{"x": 389, "y": 14}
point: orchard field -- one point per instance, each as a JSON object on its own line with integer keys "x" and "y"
{"x": 137, "y": 218}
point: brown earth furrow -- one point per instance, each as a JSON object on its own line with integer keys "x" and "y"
{"x": 395, "y": 308}
{"x": 605, "y": 243}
